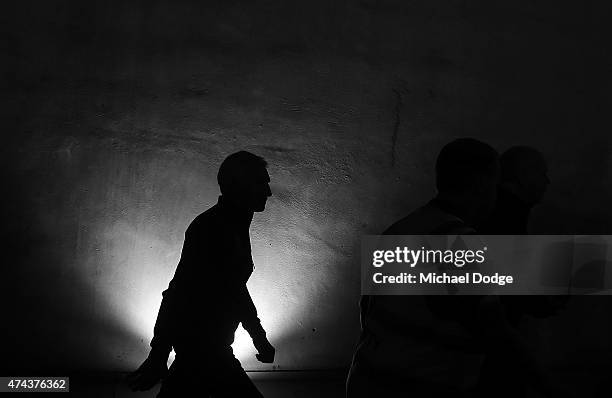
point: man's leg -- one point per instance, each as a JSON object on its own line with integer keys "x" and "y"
{"x": 186, "y": 379}
{"x": 218, "y": 375}
{"x": 231, "y": 381}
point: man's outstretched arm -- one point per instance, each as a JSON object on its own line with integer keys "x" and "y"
{"x": 161, "y": 343}
{"x": 252, "y": 324}
{"x": 155, "y": 367}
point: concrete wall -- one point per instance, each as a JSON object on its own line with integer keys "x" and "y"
{"x": 119, "y": 114}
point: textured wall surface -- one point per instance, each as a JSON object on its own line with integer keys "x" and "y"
{"x": 119, "y": 114}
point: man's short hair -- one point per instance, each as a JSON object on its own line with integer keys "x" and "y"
{"x": 463, "y": 162}
{"x": 238, "y": 168}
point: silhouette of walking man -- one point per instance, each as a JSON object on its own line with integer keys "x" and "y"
{"x": 208, "y": 296}
{"x": 523, "y": 183}
{"x": 431, "y": 346}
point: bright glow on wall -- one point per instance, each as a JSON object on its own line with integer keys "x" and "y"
{"x": 138, "y": 264}
{"x": 138, "y": 207}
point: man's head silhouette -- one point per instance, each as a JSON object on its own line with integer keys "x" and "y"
{"x": 244, "y": 181}
{"x": 524, "y": 173}
{"x": 467, "y": 173}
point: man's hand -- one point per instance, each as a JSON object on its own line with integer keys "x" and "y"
{"x": 265, "y": 351}
{"x": 152, "y": 370}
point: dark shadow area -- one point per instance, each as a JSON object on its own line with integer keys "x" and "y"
{"x": 50, "y": 304}
{"x": 471, "y": 346}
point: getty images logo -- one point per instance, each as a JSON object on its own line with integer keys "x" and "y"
{"x": 412, "y": 257}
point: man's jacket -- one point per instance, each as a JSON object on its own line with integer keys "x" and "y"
{"x": 207, "y": 297}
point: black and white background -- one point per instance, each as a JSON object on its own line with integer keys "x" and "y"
{"x": 117, "y": 114}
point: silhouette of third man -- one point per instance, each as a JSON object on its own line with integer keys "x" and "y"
{"x": 523, "y": 182}
{"x": 208, "y": 297}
